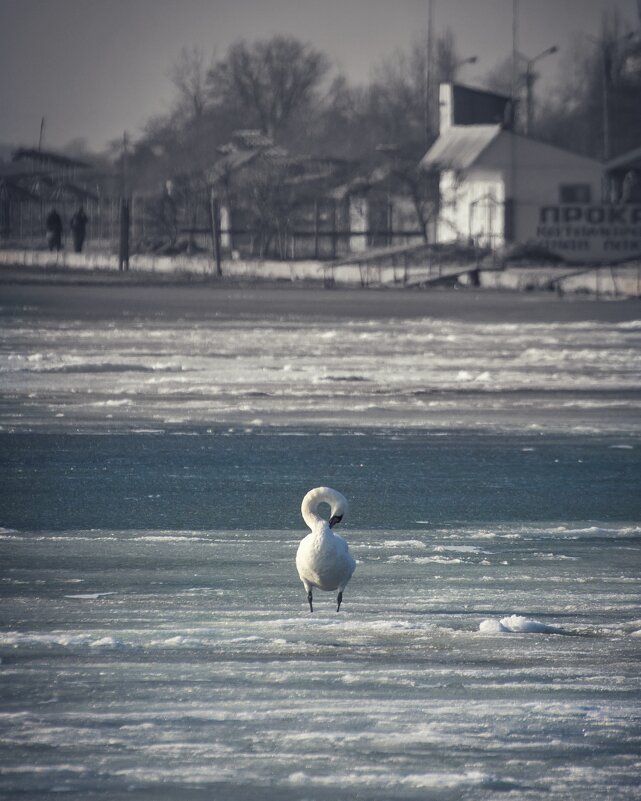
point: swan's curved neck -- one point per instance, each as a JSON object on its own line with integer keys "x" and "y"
{"x": 310, "y": 505}
{"x": 311, "y": 502}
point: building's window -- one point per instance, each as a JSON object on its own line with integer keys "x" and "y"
{"x": 574, "y": 193}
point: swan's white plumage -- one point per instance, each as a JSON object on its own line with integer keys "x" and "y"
{"x": 323, "y": 559}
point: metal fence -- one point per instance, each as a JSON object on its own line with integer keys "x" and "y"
{"x": 320, "y": 229}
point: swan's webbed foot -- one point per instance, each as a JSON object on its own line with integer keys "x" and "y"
{"x": 309, "y": 598}
{"x": 339, "y": 600}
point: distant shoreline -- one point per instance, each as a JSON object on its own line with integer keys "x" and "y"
{"x": 366, "y": 271}
{"x": 37, "y": 292}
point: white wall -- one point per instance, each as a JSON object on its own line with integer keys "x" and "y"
{"x": 624, "y": 280}
{"x": 472, "y": 203}
{"x": 533, "y": 172}
{"x": 358, "y": 221}
{"x": 225, "y": 221}
{"x": 472, "y": 207}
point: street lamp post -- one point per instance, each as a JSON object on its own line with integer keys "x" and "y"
{"x": 606, "y": 56}
{"x": 529, "y": 83}
{"x": 455, "y": 66}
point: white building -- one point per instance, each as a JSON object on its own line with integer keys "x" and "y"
{"x": 499, "y": 187}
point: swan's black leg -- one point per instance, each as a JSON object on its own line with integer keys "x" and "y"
{"x": 339, "y": 600}
{"x": 309, "y": 598}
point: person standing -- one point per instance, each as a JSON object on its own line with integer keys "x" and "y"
{"x": 78, "y": 229}
{"x": 53, "y": 224}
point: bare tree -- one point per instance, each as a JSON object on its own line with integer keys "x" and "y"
{"x": 393, "y": 109}
{"x": 398, "y": 96}
{"x": 596, "y": 107}
{"x": 189, "y": 75}
{"x": 271, "y": 80}
{"x": 403, "y": 82}
{"x": 447, "y": 58}
{"x": 270, "y": 201}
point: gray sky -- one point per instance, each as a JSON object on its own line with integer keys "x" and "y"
{"x": 95, "y": 68}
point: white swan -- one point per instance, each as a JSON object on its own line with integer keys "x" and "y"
{"x": 323, "y": 559}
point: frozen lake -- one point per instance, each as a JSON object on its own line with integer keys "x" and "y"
{"x": 324, "y": 358}
{"x": 154, "y": 636}
{"x": 169, "y": 664}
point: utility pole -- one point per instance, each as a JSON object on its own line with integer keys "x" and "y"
{"x": 605, "y": 61}
{"x": 42, "y": 133}
{"x": 429, "y": 73}
{"x": 124, "y": 165}
{"x": 608, "y": 52}
{"x": 214, "y": 218}
{"x": 509, "y": 224}
{"x": 529, "y": 83}
{"x": 123, "y": 248}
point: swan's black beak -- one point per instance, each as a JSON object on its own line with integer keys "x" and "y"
{"x": 334, "y": 519}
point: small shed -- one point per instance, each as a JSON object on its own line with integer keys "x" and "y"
{"x": 379, "y": 209}
{"x": 498, "y": 186}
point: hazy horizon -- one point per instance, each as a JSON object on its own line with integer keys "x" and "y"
{"x": 97, "y": 68}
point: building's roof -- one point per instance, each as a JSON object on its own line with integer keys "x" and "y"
{"x": 315, "y": 170}
{"x": 15, "y": 171}
{"x": 47, "y": 157}
{"x": 363, "y": 181}
{"x": 230, "y": 163}
{"x": 244, "y": 147}
{"x": 25, "y": 185}
{"x": 459, "y": 147}
{"x": 626, "y": 161}
{"x": 251, "y": 139}
{"x": 14, "y": 191}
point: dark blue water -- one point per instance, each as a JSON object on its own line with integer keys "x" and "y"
{"x": 235, "y": 479}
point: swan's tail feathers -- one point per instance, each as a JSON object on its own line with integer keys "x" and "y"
{"x": 339, "y": 600}
{"x": 309, "y": 598}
